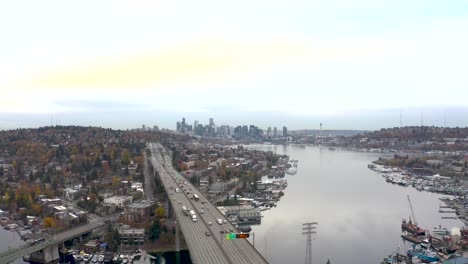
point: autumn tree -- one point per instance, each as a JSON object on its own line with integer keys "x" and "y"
{"x": 48, "y": 222}
{"x": 124, "y": 157}
{"x": 159, "y": 212}
{"x": 23, "y": 197}
{"x": 36, "y": 209}
{"x": 115, "y": 181}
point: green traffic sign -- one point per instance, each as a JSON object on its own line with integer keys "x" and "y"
{"x": 230, "y": 236}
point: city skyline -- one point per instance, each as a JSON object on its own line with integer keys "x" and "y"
{"x": 375, "y": 120}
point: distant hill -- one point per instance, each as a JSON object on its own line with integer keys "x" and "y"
{"x": 313, "y": 132}
{"x": 417, "y": 133}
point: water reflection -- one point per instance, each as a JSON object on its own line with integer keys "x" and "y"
{"x": 359, "y": 214}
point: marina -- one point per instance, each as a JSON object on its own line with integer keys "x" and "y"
{"x": 421, "y": 182}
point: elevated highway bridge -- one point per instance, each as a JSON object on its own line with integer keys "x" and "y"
{"x": 206, "y": 242}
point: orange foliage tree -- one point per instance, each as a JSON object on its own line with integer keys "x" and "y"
{"x": 48, "y": 222}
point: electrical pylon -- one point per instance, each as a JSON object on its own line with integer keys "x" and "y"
{"x": 309, "y": 229}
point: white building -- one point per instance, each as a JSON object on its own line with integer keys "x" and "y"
{"x": 243, "y": 212}
{"x": 133, "y": 236}
{"x": 218, "y": 187}
{"x": 120, "y": 201}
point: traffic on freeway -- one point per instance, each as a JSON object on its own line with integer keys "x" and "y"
{"x": 200, "y": 221}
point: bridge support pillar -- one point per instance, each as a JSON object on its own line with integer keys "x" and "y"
{"x": 63, "y": 249}
{"x": 169, "y": 210}
{"x": 47, "y": 255}
{"x": 177, "y": 233}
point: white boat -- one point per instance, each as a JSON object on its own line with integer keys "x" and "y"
{"x": 101, "y": 258}
{"x": 12, "y": 226}
{"x": 77, "y": 257}
{"x": 94, "y": 259}
{"x": 87, "y": 257}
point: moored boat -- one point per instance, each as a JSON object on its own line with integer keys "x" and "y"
{"x": 12, "y": 226}
{"x": 412, "y": 238}
{"x": 412, "y": 228}
{"x": 87, "y": 258}
{"x": 423, "y": 254}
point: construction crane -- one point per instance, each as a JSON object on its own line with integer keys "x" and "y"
{"x": 411, "y": 208}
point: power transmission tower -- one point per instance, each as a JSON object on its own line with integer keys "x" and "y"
{"x": 308, "y": 229}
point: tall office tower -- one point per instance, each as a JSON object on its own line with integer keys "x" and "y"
{"x": 211, "y": 121}
{"x": 275, "y": 132}
{"x": 285, "y": 131}
{"x": 245, "y": 131}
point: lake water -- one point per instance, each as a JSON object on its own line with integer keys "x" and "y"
{"x": 359, "y": 214}
{"x": 10, "y": 239}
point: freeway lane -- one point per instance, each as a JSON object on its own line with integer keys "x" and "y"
{"x": 203, "y": 249}
{"x": 238, "y": 250}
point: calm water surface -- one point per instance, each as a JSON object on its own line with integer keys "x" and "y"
{"x": 10, "y": 239}
{"x": 359, "y": 214}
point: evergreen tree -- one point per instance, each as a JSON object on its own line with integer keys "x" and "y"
{"x": 155, "y": 230}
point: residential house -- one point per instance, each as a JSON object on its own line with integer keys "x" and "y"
{"x": 138, "y": 212}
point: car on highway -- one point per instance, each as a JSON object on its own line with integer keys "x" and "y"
{"x": 202, "y": 212}
{"x": 207, "y": 233}
{"x": 220, "y": 221}
{"x": 225, "y": 222}
{"x": 37, "y": 241}
{"x": 221, "y": 231}
{"x": 209, "y": 223}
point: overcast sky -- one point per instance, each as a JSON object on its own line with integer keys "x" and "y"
{"x": 349, "y": 64}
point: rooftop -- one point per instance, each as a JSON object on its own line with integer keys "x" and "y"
{"x": 141, "y": 204}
